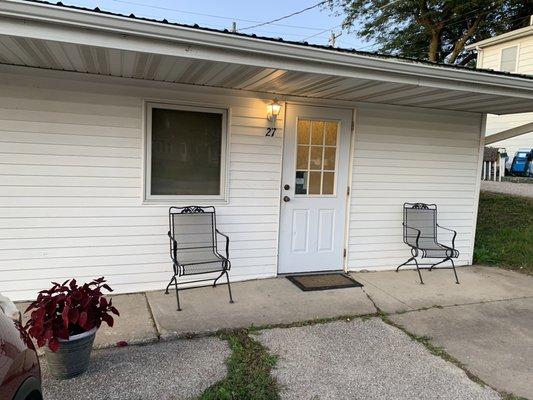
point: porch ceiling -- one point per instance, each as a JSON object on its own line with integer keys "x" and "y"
{"x": 53, "y": 38}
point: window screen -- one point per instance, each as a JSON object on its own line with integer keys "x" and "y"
{"x": 186, "y": 152}
{"x": 508, "y": 61}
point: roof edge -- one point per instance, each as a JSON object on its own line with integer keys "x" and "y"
{"x": 59, "y": 14}
{"x": 504, "y": 37}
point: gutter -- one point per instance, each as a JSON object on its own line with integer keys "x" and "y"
{"x": 129, "y": 27}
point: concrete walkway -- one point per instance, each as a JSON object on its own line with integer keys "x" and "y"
{"x": 181, "y": 369}
{"x": 395, "y": 292}
{"x": 147, "y": 317}
{"x": 363, "y": 359}
{"x": 258, "y": 303}
{"x": 485, "y": 322}
{"x": 494, "y": 340}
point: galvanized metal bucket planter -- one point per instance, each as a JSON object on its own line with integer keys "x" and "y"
{"x": 72, "y": 358}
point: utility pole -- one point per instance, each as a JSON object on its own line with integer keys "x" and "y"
{"x": 333, "y": 38}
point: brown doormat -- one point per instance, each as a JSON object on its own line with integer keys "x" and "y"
{"x": 308, "y": 282}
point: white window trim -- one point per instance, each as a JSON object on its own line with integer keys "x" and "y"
{"x": 516, "y": 61}
{"x": 147, "y": 154}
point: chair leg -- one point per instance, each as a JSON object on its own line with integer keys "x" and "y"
{"x": 440, "y": 262}
{"x": 418, "y": 270}
{"x": 170, "y": 283}
{"x": 405, "y": 263}
{"x": 215, "y": 282}
{"x": 454, "y": 271}
{"x": 177, "y": 294}
{"x": 229, "y": 287}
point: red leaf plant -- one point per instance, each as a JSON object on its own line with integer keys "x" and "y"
{"x": 67, "y": 309}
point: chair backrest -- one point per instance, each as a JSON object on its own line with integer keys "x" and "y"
{"x": 422, "y": 217}
{"x": 193, "y": 229}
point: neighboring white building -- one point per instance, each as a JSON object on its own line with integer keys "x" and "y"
{"x": 509, "y": 52}
{"x": 94, "y": 150}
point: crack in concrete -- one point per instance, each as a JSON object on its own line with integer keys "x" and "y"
{"x": 459, "y": 305}
{"x": 152, "y": 318}
{"x": 378, "y": 310}
{"x": 383, "y": 290}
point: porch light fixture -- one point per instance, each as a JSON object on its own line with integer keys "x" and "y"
{"x": 273, "y": 110}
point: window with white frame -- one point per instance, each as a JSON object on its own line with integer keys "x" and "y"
{"x": 185, "y": 152}
{"x": 508, "y": 59}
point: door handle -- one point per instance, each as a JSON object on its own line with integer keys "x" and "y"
{"x": 286, "y": 199}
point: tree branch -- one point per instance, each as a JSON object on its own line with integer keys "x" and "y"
{"x": 460, "y": 43}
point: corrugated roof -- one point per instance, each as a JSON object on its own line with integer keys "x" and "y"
{"x": 280, "y": 40}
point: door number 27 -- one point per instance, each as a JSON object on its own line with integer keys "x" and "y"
{"x": 271, "y": 132}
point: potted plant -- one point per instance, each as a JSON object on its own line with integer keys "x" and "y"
{"x": 66, "y": 317}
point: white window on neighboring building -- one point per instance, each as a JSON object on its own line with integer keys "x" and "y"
{"x": 508, "y": 59}
{"x": 185, "y": 152}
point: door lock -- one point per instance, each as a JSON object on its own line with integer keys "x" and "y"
{"x": 286, "y": 187}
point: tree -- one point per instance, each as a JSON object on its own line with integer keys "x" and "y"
{"x": 434, "y": 30}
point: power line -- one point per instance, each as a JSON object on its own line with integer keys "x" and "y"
{"x": 321, "y": 32}
{"x": 453, "y": 23}
{"x": 211, "y": 15}
{"x": 418, "y": 48}
{"x": 340, "y": 25}
{"x": 446, "y": 20}
{"x": 285, "y": 16}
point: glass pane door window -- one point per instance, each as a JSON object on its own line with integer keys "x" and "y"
{"x": 316, "y": 157}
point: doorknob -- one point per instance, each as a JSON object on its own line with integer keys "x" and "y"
{"x": 286, "y": 199}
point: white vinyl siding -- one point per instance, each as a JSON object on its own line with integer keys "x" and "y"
{"x": 407, "y": 155}
{"x": 491, "y": 55}
{"x": 71, "y": 186}
{"x": 497, "y": 123}
{"x": 71, "y": 179}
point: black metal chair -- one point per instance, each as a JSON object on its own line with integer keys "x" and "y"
{"x": 193, "y": 246}
{"x": 420, "y": 230}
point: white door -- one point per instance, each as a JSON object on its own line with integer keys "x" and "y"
{"x": 316, "y": 155}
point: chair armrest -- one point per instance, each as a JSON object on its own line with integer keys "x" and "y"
{"x": 171, "y": 238}
{"x": 450, "y": 230}
{"x": 173, "y": 248}
{"x": 227, "y": 242}
{"x": 414, "y": 229}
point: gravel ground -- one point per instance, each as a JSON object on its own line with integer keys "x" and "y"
{"x": 173, "y": 370}
{"x": 363, "y": 359}
{"x": 517, "y": 189}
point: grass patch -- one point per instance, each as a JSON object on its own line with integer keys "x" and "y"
{"x": 510, "y": 396}
{"x": 249, "y": 369}
{"x": 504, "y": 235}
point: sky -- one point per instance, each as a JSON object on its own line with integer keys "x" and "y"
{"x": 314, "y": 26}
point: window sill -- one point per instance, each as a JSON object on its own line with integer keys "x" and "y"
{"x": 185, "y": 202}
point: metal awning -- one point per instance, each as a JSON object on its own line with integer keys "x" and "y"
{"x": 61, "y": 38}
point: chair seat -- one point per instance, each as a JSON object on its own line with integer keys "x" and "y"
{"x": 436, "y": 250}
{"x": 203, "y": 268}
{"x": 201, "y": 261}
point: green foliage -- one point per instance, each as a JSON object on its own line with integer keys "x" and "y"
{"x": 504, "y": 235}
{"x": 249, "y": 369}
{"x": 435, "y": 30}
